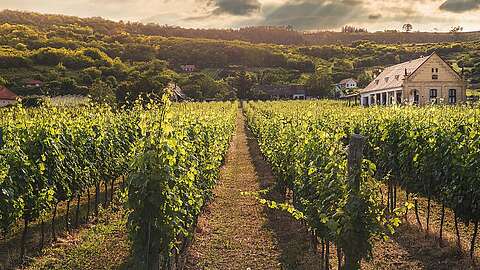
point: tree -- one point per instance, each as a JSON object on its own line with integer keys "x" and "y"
{"x": 364, "y": 79}
{"x": 320, "y": 85}
{"x": 342, "y": 69}
{"x": 407, "y": 27}
{"x": 243, "y": 82}
{"x": 456, "y": 29}
{"x": 102, "y": 92}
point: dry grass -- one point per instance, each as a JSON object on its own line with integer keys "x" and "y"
{"x": 10, "y": 243}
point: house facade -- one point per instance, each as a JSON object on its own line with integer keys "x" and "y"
{"x": 188, "y": 68}
{"x": 421, "y": 81}
{"x": 349, "y": 83}
{"x": 7, "y": 97}
{"x": 32, "y": 84}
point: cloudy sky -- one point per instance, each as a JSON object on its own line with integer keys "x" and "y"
{"x": 424, "y": 15}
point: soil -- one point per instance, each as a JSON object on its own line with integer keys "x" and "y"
{"x": 235, "y": 231}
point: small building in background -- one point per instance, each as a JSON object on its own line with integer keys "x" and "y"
{"x": 349, "y": 83}
{"x": 32, "y": 84}
{"x": 188, "y": 68}
{"x": 7, "y": 97}
{"x": 345, "y": 87}
{"x": 177, "y": 93}
{"x": 421, "y": 81}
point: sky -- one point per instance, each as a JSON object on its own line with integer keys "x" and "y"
{"x": 375, "y": 15}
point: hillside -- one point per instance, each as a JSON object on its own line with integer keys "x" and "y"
{"x": 261, "y": 34}
{"x": 102, "y": 58}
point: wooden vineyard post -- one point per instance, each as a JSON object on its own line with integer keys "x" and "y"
{"x": 1, "y": 137}
{"x": 355, "y": 157}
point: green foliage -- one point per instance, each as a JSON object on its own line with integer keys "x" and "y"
{"x": 102, "y": 92}
{"x": 320, "y": 84}
{"x": 3, "y": 81}
{"x": 51, "y": 154}
{"x": 243, "y": 83}
{"x": 364, "y": 79}
{"x": 305, "y": 143}
{"x": 175, "y": 169}
{"x": 201, "y": 86}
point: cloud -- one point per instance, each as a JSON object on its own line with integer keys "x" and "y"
{"x": 375, "y": 16}
{"x": 460, "y": 6}
{"x": 313, "y": 14}
{"x": 235, "y": 7}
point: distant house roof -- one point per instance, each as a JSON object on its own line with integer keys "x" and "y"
{"x": 178, "y": 92}
{"x": 345, "y": 81}
{"x": 6, "y": 94}
{"x": 392, "y": 77}
{"x": 282, "y": 90}
{"x": 33, "y": 82}
{"x": 188, "y": 67}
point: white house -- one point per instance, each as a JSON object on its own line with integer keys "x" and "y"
{"x": 421, "y": 81}
{"x": 188, "y": 68}
{"x": 7, "y": 97}
{"x": 349, "y": 83}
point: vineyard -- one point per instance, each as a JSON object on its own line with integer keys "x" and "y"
{"x": 168, "y": 155}
{"x": 428, "y": 152}
{"x": 348, "y": 178}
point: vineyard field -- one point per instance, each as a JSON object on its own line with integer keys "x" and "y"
{"x": 198, "y": 185}
{"x": 53, "y": 155}
{"x": 429, "y": 152}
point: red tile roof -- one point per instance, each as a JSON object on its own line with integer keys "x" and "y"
{"x": 33, "y": 82}
{"x": 6, "y": 94}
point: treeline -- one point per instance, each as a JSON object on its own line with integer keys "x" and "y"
{"x": 75, "y": 59}
{"x": 258, "y": 34}
{"x": 77, "y": 56}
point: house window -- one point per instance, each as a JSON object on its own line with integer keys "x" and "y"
{"x": 377, "y": 81}
{"x": 452, "y": 96}
{"x": 386, "y": 79}
{"x": 365, "y": 101}
{"x": 434, "y": 76}
{"x": 433, "y": 94}
{"x": 416, "y": 97}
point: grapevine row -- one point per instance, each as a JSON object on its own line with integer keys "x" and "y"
{"x": 432, "y": 152}
{"x": 175, "y": 169}
{"x": 51, "y": 154}
{"x": 308, "y": 155}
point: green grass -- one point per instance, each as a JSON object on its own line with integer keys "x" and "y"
{"x": 104, "y": 245}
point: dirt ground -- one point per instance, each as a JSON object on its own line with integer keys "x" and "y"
{"x": 236, "y": 232}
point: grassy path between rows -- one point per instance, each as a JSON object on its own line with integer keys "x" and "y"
{"x": 235, "y": 231}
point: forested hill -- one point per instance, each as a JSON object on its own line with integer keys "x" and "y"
{"x": 262, "y": 34}
{"x": 105, "y": 60}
